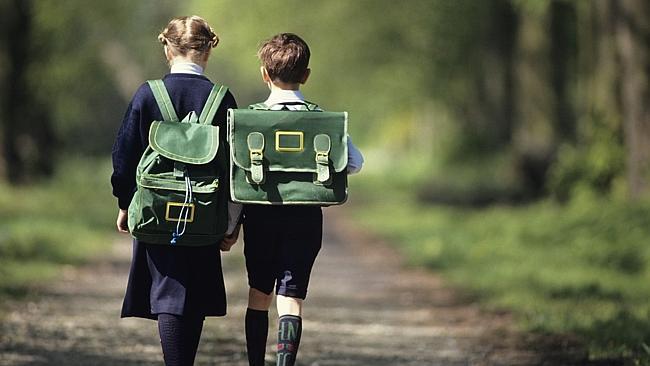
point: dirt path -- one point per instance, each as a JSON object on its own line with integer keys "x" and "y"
{"x": 363, "y": 309}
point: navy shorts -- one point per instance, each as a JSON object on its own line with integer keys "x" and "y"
{"x": 280, "y": 245}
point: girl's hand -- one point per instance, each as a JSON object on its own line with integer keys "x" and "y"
{"x": 230, "y": 240}
{"x": 122, "y": 221}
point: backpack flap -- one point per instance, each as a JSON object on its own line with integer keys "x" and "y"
{"x": 263, "y": 142}
{"x": 190, "y": 143}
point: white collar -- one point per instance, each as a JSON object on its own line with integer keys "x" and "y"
{"x": 186, "y": 68}
{"x": 284, "y": 96}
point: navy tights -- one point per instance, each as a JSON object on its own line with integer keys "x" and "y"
{"x": 179, "y": 336}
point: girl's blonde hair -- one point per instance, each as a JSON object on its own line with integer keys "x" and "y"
{"x": 189, "y": 36}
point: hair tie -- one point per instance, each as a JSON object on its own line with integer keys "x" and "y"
{"x": 215, "y": 41}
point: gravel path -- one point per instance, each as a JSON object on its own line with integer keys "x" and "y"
{"x": 363, "y": 309}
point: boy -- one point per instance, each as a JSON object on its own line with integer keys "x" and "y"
{"x": 281, "y": 242}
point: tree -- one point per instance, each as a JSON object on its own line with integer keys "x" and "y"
{"x": 69, "y": 69}
{"x": 632, "y": 27}
{"x": 28, "y": 140}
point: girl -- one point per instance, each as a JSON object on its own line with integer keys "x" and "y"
{"x": 176, "y": 285}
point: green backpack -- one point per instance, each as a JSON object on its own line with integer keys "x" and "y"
{"x": 180, "y": 198}
{"x": 288, "y": 157}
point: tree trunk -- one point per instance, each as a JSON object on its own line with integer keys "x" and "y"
{"x": 16, "y": 33}
{"x": 563, "y": 73}
{"x": 28, "y": 137}
{"x": 497, "y": 81}
{"x": 633, "y": 39}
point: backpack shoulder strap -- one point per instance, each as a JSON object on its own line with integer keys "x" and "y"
{"x": 259, "y": 107}
{"x": 309, "y": 106}
{"x": 212, "y": 104}
{"x": 162, "y": 98}
{"x": 312, "y": 106}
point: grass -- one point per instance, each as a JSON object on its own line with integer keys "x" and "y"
{"x": 46, "y": 226}
{"x": 580, "y": 268}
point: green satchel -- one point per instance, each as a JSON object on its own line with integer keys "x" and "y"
{"x": 178, "y": 198}
{"x": 288, "y": 157}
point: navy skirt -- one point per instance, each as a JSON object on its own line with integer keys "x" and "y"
{"x": 179, "y": 280}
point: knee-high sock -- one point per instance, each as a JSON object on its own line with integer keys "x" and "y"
{"x": 289, "y": 331}
{"x": 179, "y": 337}
{"x": 257, "y": 330}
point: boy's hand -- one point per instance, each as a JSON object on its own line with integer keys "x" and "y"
{"x": 230, "y": 240}
{"x": 122, "y": 221}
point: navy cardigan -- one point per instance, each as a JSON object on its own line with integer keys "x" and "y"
{"x": 188, "y": 93}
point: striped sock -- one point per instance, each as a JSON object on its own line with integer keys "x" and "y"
{"x": 289, "y": 331}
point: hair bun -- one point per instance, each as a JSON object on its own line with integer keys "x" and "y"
{"x": 161, "y": 38}
{"x": 215, "y": 41}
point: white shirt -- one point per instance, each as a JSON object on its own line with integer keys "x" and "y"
{"x": 186, "y": 68}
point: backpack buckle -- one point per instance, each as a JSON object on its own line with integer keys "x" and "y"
{"x": 256, "y": 157}
{"x": 322, "y": 157}
{"x": 173, "y": 208}
{"x": 289, "y": 141}
{"x": 255, "y": 141}
{"x": 180, "y": 170}
{"x": 322, "y": 146}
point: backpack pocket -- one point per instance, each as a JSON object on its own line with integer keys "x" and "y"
{"x": 165, "y": 204}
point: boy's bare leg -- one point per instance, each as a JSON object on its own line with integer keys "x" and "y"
{"x": 289, "y": 306}
{"x": 289, "y": 329}
{"x": 257, "y": 325}
{"x": 257, "y": 300}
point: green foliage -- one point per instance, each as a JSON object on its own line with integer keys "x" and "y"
{"x": 578, "y": 268}
{"x": 87, "y": 62}
{"x": 65, "y": 221}
{"x": 593, "y": 165}
{"x": 362, "y": 60}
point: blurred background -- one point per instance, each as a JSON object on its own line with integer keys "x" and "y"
{"x": 507, "y": 142}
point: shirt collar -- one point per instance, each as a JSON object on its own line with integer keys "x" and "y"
{"x": 186, "y": 68}
{"x": 284, "y": 96}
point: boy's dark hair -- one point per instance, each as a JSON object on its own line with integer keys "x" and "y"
{"x": 285, "y": 57}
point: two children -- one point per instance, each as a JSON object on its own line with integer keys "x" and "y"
{"x": 179, "y": 286}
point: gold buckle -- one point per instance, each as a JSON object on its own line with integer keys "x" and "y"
{"x": 179, "y": 204}
{"x": 279, "y": 148}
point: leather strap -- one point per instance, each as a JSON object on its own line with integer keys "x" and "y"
{"x": 259, "y": 106}
{"x": 255, "y": 141}
{"x": 212, "y": 104}
{"x": 164, "y": 102}
{"x": 305, "y": 106}
{"x": 313, "y": 107}
{"x": 322, "y": 146}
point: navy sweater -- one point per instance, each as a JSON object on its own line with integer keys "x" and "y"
{"x": 188, "y": 93}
